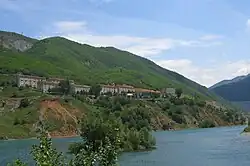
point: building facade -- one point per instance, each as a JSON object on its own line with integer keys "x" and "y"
{"x": 27, "y": 80}
{"x": 168, "y": 92}
{"x": 46, "y": 86}
{"x": 117, "y": 89}
{"x": 125, "y": 89}
{"x": 145, "y": 93}
{"x": 108, "y": 89}
{"x": 80, "y": 88}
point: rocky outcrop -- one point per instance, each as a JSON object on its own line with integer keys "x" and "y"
{"x": 15, "y": 41}
{"x": 20, "y": 45}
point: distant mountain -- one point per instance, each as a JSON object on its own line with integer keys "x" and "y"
{"x": 224, "y": 82}
{"x": 235, "y": 90}
{"x": 245, "y": 105}
{"x": 58, "y": 56}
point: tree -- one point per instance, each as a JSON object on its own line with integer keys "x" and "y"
{"x": 24, "y": 103}
{"x": 178, "y": 92}
{"x": 95, "y": 90}
{"x": 44, "y": 154}
{"x": 101, "y": 141}
{"x": 65, "y": 87}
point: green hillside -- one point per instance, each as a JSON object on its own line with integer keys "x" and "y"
{"x": 86, "y": 64}
{"x": 89, "y": 65}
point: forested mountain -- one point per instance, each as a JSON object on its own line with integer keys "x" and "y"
{"x": 237, "y": 90}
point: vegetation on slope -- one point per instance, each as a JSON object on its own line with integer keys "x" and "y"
{"x": 89, "y": 65}
{"x": 20, "y": 109}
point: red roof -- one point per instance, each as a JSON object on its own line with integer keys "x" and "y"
{"x": 124, "y": 86}
{"x": 146, "y": 90}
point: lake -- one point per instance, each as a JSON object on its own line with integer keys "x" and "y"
{"x": 198, "y": 147}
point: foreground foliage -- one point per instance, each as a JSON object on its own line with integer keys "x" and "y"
{"x": 97, "y": 149}
{"x": 102, "y": 129}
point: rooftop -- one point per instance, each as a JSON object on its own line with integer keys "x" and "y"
{"x": 32, "y": 77}
{"x": 82, "y": 86}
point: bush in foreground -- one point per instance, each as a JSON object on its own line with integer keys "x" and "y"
{"x": 97, "y": 150}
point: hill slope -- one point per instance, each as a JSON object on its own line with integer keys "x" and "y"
{"x": 14, "y": 41}
{"x": 62, "y": 114}
{"x": 86, "y": 64}
{"x": 235, "y": 91}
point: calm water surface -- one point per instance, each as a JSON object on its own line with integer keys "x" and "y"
{"x": 201, "y": 147}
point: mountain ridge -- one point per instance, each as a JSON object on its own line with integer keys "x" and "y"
{"x": 236, "y": 90}
{"x": 224, "y": 82}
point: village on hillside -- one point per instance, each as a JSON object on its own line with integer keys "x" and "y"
{"x": 47, "y": 84}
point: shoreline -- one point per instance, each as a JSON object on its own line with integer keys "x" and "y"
{"x": 35, "y": 138}
{"x": 175, "y": 129}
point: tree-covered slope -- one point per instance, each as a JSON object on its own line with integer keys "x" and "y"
{"x": 86, "y": 64}
{"x": 235, "y": 91}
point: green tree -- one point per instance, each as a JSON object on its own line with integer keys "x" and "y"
{"x": 24, "y": 103}
{"x": 65, "y": 87}
{"x": 102, "y": 142}
{"x": 95, "y": 90}
{"x": 178, "y": 92}
{"x": 44, "y": 154}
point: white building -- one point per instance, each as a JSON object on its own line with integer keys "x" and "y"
{"x": 80, "y": 88}
{"x": 45, "y": 86}
{"x": 27, "y": 80}
{"x": 168, "y": 91}
{"x": 108, "y": 89}
{"x": 125, "y": 88}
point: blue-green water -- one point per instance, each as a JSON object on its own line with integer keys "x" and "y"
{"x": 202, "y": 147}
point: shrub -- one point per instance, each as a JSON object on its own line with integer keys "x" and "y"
{"x": 178, "y": 118}
{"x": 24, "y": 103}
{"x": 166, "y": 105}
{"x": 16, "y": 121}
{"x": 207, "y": 124}
{"x": 178, "y": 92}
{"x": 201, "y": 103}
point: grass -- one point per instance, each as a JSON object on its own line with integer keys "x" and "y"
{"x": 26, "y": 118}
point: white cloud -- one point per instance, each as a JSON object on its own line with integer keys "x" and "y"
{"x": 143, "y": 46}
{"x": 207, "y": 76}
{"x": 70, "y": 26}
{"x": 211, "y": 37}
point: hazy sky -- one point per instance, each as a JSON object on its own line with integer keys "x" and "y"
{"x": 205, "y": 40}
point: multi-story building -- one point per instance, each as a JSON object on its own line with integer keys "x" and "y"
{"x": 27, "y": 80}
{"x": 80, "y": 88}
{"x": 145, "y": 93}
{"x": 108, "y": 89}
{"x": 46, "y": 86}
{"x": 117, "y": 89}
{"x": 168, "y": 91}
{"x": 125, "y": 89}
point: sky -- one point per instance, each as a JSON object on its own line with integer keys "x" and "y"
{"x": 204, "y": 40}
